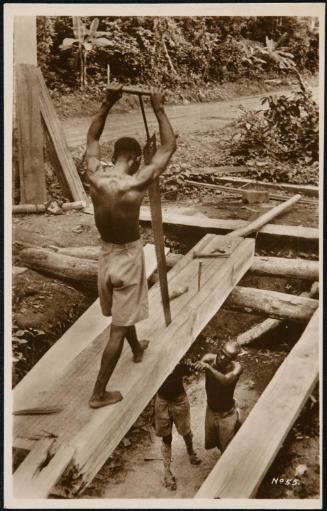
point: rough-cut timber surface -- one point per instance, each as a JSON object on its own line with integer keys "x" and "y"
{"x": 246, "y": 460}
{"x": 29, "y": 136}
{"x": 53, "y": 363}
{"x": 95, "y": 433}
{"x": 63, "y": 160}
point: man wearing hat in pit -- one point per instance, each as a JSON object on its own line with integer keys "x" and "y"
{"x": 222, "y": 372}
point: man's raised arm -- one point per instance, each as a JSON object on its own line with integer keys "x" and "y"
{"x": 96, "y": 128}
{"x": 163, "y": 154}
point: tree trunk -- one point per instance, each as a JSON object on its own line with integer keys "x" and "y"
{"x": 262, "y": 328}
{"x": 272, "y": 303}
{"x": 283, "y": 267}
{"x": 298, "y": 268}
{"x": 59, "y": 265}
{"x": 269, "y": 303}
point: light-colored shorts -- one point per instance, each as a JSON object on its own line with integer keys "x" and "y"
{"x": 175, "y": 412}
{"x": 220, "y": 427}
{"x": 122, "y": 283}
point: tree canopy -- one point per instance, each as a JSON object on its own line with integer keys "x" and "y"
{"x": 170, "y": 50}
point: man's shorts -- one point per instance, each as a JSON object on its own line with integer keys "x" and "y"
{"x": 220, "y": 427}
{"x": 175, "y": 412}
{"x": 122, "y": 283}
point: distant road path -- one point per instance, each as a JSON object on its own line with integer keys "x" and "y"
{"x": 184, "y": 118}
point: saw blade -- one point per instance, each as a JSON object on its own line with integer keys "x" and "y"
{"x": 157, "y": 228}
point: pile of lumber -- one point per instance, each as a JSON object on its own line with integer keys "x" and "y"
{"x": 37, "y": 123}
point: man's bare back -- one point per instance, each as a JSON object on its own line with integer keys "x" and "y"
{"x": 116, "y": 206}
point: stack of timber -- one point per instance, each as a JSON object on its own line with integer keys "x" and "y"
{"x": 92, "y": 435}
{"x": 241, "y": 468}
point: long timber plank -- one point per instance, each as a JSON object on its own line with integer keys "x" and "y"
{"x": 94, "y": 434}
{"x": 63, "y": 158}
{"x": 246, "y": 460}
{"x": 30, "y": 136}
{"x": 311, "y": 190}
{"x": 221, "y": 225}
{"x": 54, "y": 362}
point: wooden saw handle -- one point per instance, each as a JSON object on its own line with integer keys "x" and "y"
{"x": 132, "y": 90}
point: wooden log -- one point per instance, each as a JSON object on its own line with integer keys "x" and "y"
{"x": 243, "y": 465}
{"x": 78, "y": 263}
{"x": 284, "y": 267}
{"x": 29, "y": 136}
{"x": 257, "y": 331}
{"x": 48, "y": 370}
{"x": 281, "y": 266}
{"x": 86, "y": 252}
{"x": 259, "y": 222}
{"x": 269, "y": 324}
{"x": 64, "y": 161}
{"x": 272, "y": 303}
{"x": 60, "y": 265}
{"x": 23, "y": 209}
{"x": 97, "y": 433}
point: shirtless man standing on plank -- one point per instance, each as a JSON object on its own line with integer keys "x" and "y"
{"x": 117, "y": 193}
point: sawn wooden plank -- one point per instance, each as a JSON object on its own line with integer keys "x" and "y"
{"x": 96, "y": 433}
{"x": 246, "y": 460}
{"x": 54, "y": 362}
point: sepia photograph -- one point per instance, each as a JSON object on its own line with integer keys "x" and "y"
{"x": 163, "y": 255}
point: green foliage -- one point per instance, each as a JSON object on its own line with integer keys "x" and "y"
{"x": 276, "y": 142}
{"x": 177, "y": 51}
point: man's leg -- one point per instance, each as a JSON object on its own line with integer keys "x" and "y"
{"x": 110, "y": 357}
{"x": 188, "y": 439}
{"x": 137, "y": 346}
{"x": 169, "y": 479}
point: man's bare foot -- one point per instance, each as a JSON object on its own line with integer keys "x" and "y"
{"x": 138, "y": 355}
{"x": 170, "y": 481}
{"x": 108, "y": 398}
{"x": 194, "y": 459}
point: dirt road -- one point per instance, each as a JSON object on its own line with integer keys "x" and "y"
{"x": 184, "y": 118}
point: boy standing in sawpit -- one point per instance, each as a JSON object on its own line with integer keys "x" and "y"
{"x": 222, "y": 372}
{"x": 172, "y": 407}
{"x": 117, "y": 193}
